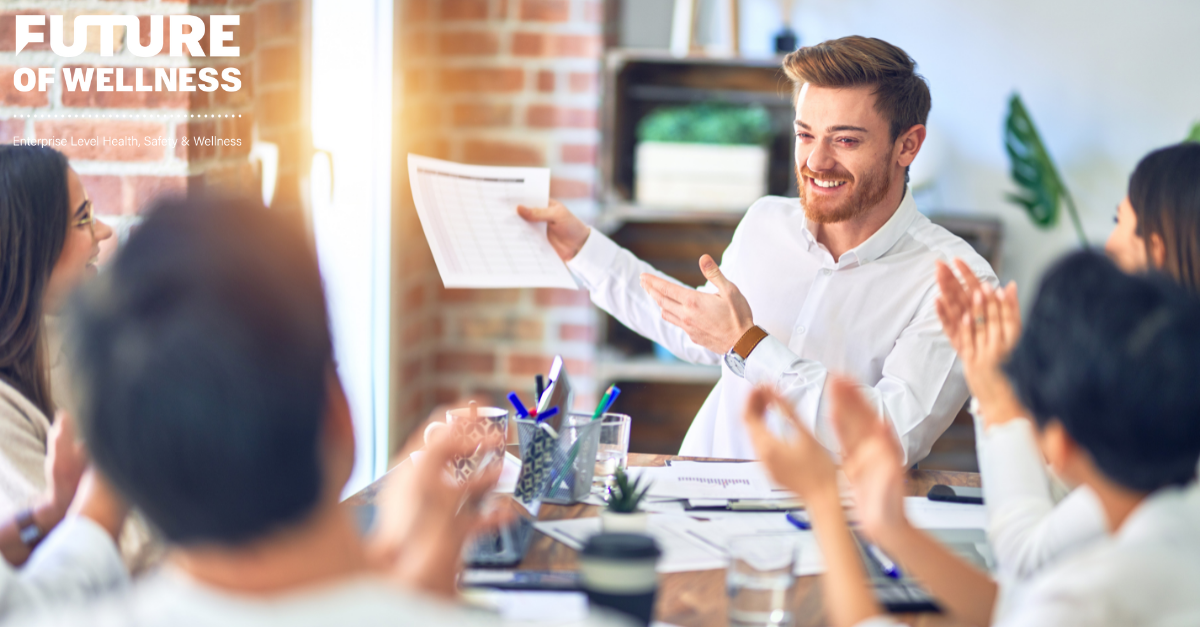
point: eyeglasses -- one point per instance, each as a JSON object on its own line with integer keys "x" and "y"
{"x": 86, "y": 214}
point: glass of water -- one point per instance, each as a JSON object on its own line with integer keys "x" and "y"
{"x": 613, "y": 451}
{"x": 761, "y": 579}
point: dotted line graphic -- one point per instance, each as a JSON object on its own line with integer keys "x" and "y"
{"x": 127, "y": 115}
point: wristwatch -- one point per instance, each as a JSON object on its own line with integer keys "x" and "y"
{"x": 28, "y": 530}
{"x": 736, "y": 357}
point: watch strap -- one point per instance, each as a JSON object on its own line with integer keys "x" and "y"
{"x": 748, "y": 341}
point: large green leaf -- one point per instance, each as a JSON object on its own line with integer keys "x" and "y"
{"x": 1194, "y": 136}
{"x": 1032, "y": 169}
{"x": 1041, "y": 188}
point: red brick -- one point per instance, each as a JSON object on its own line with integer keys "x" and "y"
{"x": 10, "y": 129}
{"x": 278, "y": 65}
{"x": 276, "y": 19}
{"x": 8, "y": 32}
{"x": 545, "y": 81}
{"x": 528, "y": 44}
{"x": 416, "y": 81}
{"x": 579, "y": 153}
{"x": 240, "y": 98}
{"x": 501, "y": 11}
{"x": 415, "y": 45}
{"x": 243, "y": 34}
{"x": 482, "y": 114}
{"x": 566, "y": 188}
{"x": 494, "y": 80}
{"x": 546, "y": 10}
{"x": 125, "y": 99}
{"x": 506, "y": 296}
{"x": 417, "y": 10}
{"x": 464, "y": 9}
{"x": 583, "y": 82}
{"x": 436, "y": 147}
{"x": 414, "y": 297}
{"x": 500, "y": 329}
{"x": 588, "y": 46}
{"x": 502, "y": 153}
{"x": 11, "y": 97}
{"x": 420, "y": 117}
{"x": 548, "y": 116}
{"x": 576, "y": 333}
{"x": 465, "y": 362}
{"x": 279, "y": 108}
{"x": 195, "y": 151}
{"x": 235, "y": 128}
{"x": 107, "y": 193}
{"x": 85, "y": 130}
{"x": 147, "y": 189}
{"x": 524, "y": 365}
{"x": 465, "y": 43}
{"x": 549, "y": 297}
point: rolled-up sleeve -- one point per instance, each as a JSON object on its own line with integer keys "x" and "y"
{"x": 77, "y": 562}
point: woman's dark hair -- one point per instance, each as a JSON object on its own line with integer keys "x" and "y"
{"x": 1165, "y": 193}
{"x": 1116, "y": 359}
{"x": 33, "y": 227}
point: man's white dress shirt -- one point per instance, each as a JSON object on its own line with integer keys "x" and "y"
{"x": 1148, "y": 573}
{"x": 77, "y": 562}
{"x": 869, "y": 314}
{"x": 1030, "y": 526}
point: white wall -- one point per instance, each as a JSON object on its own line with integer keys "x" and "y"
{"x": 1105, "y": 81}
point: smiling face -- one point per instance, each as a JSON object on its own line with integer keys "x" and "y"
{"x": 846, "y": 161}
{"x": 77, "y": 261}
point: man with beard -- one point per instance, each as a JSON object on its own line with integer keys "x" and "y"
{"x": 841, "y": 279}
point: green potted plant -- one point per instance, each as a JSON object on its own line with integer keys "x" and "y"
{"x": 706, "y": 156}
{"x": 621, "y": 513}
{"x": 1042, "y": 188}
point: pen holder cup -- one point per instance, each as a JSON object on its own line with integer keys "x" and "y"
{"x": 574, "y": 456}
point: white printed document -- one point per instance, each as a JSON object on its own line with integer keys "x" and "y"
{"x": 707, "y": 480}
{"x": 681, "y": 552}
{"x": 469, "y": 215}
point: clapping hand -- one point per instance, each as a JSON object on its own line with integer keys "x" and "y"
{"x": 800, "y": 463}
{"x": 983, "y": 325}
{"x": 426, "y": 517}
{"x": 872, "y": 459}
{"x": 714, "y": 321}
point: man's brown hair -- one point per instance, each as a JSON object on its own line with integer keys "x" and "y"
{"x": 901, "y": 95}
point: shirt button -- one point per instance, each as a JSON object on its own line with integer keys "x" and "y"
{"x": 800, "y": 330}
{"x": 826, "y": 272}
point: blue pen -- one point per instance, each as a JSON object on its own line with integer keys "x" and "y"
{"x": 799, "y": 520}
{"x": 889, "y": 567}
{"x": 516, "y": 403}
{"x": 612, "y": 398}
{"x": 547, "y": 414}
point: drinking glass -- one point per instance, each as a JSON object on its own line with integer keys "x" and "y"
{"x": 613, "y": 451}
{"x": 488, "y": 422}
{"x": 761, "y": 579}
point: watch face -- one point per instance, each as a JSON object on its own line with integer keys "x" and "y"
{"x": 736, "y": 364}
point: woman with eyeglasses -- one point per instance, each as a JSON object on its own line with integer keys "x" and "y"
{"x": 49, "y": 243}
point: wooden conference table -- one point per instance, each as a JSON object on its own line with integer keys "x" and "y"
{"x": 698, "y": 598}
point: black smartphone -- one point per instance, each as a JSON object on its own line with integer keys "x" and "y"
{"x": 519, "y": 579}
{"x": 956, "y": 494}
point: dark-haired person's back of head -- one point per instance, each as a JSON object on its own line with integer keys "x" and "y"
{"x": 1109, "y": 366}
{"x": 208, "y": 397}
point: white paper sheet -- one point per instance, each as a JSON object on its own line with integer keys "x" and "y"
{"x": 469, "y": 215}
{"x": 533, "y": 607}
{"x": 718, "y": 531}
{"x": 926, "y": 514}
{"x": 735, "y": 480}
{"x": 680, "y": 552}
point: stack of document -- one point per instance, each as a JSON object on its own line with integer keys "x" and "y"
{"x": 705, "y": 480}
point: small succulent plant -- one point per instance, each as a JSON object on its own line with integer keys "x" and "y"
{"x": 624, "y": 495}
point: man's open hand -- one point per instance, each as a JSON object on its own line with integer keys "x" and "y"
{"x": 714, "y": 321}
{"x": 566, "y": 233}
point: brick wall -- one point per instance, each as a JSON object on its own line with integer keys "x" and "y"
{"x": 494, "y": 82}
{"x": 122, "y": 180}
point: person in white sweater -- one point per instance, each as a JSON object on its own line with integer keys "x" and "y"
{"x": 1033, "y": 518}
{"x": 50, "y": 240}
{"x": 209, "y": 396}
{"x": 1109, "y": 367}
